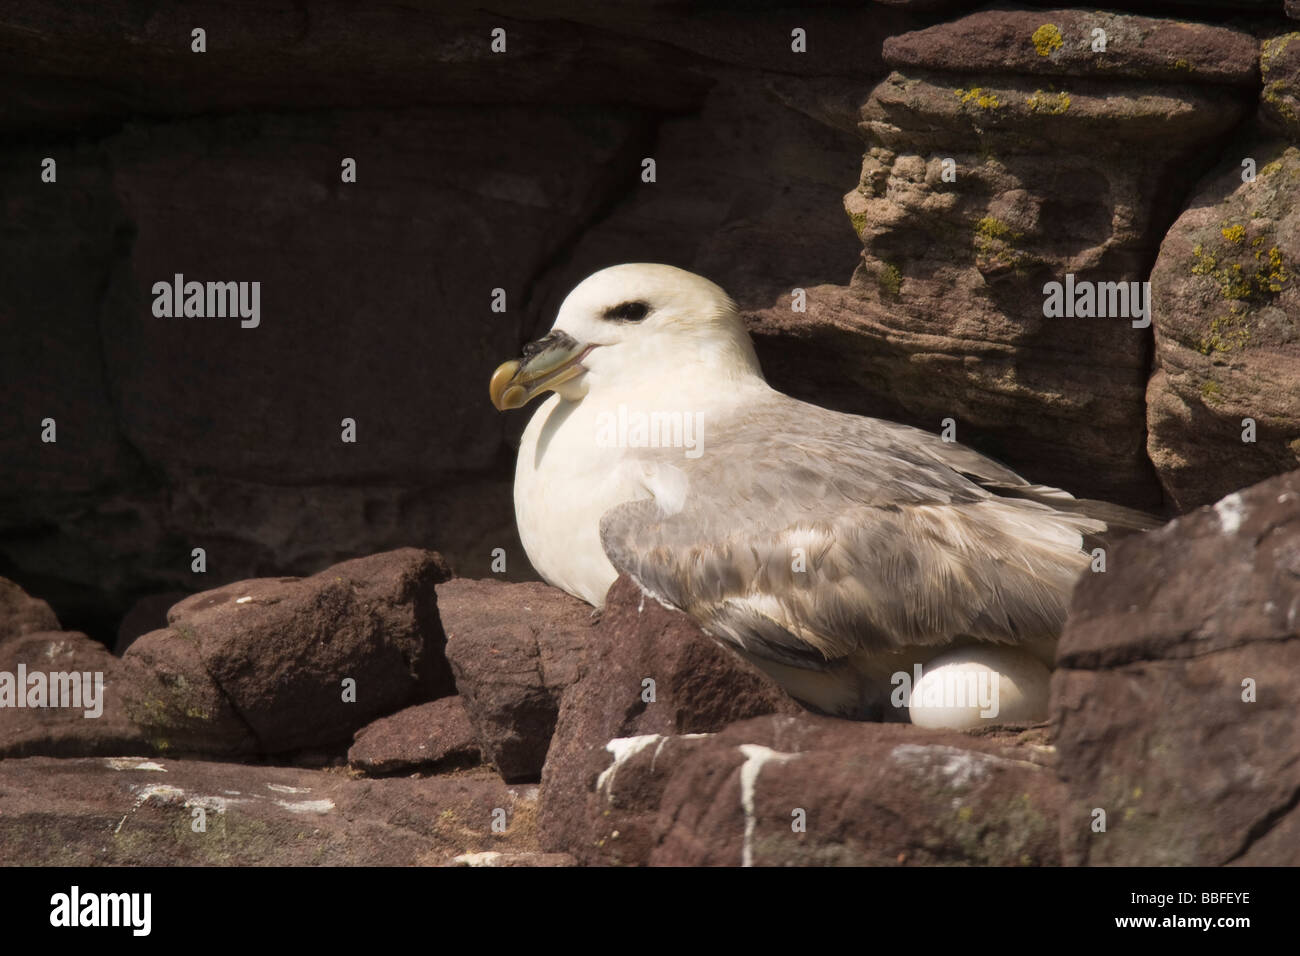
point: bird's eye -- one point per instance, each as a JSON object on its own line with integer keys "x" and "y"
{"x": 628, "y": 312}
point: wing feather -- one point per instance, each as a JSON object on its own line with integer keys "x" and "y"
{"x": 806, "y": 536}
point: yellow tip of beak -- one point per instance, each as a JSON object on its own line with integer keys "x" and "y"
{"x": 504, "y": 394}
{"x": 546, "y": 365}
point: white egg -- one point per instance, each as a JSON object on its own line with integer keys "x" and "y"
{"x": 970, "y": 687}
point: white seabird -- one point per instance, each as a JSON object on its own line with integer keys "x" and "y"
{"x": 833, "y": 551}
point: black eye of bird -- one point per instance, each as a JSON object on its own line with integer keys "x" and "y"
{"x": 628, "y": 312}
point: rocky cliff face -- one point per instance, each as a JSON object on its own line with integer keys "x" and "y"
{"x": 891, "y": 204}
{"x": 919, "y": 170}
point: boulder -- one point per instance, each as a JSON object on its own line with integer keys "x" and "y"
{"x": 1227, "y": 332}
{"x": 89, "y": 718}
{"x": 1279, "y": 101}
{"x": 1064, "y": 43}
{"x": 20, "y": 613}
{"x": 272, "y": 665}
{"x": 513, "y": 648}
{"x": 1174, "y": 696}
{"x": 177, "y": 701}
{"x": 944, "y": 317}
{"x": 807, "y": 790}
{"x": 426, "y": 738}
{"x": 143, "y": 812}
{"x": 698, "y": 687}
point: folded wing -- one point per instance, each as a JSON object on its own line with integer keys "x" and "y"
{"x": 805, "y": 535}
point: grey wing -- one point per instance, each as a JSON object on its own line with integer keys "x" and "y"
{"x": 1001, "y": 480}
{"x": 804, "y": 535}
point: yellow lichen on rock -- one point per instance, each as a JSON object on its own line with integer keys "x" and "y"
{"x": 991, "y": 228}
{"x": 1053, "y": 104}
{"x": 1236, "y": 282}
{"x": 977, "y": 96}
{"x": 1272, "y": 48}
{"x": 1276, "y": 93}
{"x": 1226, "y": 333}
{"x": 1047, "y": 39}
{"x": 1271, "y": 276}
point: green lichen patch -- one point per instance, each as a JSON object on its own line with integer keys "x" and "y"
{"x": 996, "y": 241}
{"x": 890, "y": 279}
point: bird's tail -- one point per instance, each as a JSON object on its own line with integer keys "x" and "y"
{"x": 1115, "y": 517}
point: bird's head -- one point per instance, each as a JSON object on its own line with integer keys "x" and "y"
{"x": 626, "y": 325}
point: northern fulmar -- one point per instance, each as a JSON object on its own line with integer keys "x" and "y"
{"x": 836, "y": 552}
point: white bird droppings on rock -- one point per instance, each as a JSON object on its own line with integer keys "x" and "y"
{"x": 133, "y": 763}
{"x": 623, "y": 748}
{"x": 307, "y": 806}
{"x": 488, "y": 858}
{"x": 163, "y": 792}
{"x": 214, "y": 803}
{"x": 1230, "y": 511}
{"x": 755, "y": 757}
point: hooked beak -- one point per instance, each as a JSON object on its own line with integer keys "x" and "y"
{"x": 550, "y": 361}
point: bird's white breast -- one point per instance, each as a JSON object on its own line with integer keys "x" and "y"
{"x": 564, "y": 482}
